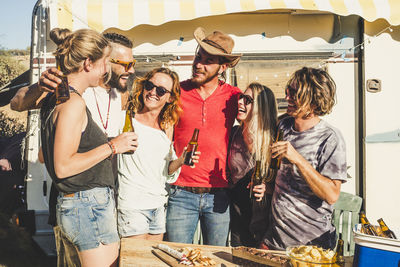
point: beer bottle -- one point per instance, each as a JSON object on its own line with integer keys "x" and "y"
{"x": 385, "y": 229}
{"x": 128, "y": 126}
{"x": 379, "y": 232}
{"x": 255, "y": 178}
{"x": 368, "y": 228}
{"x": 276, "y": 162}
{"x": 62, "y": 90}
{"x": 339, "y": 255}
{"x": 191, "y": 148}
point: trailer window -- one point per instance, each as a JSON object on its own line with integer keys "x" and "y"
{"x": 273, "y": 71}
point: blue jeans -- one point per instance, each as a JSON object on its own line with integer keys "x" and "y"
{"x": 186, "y": 208}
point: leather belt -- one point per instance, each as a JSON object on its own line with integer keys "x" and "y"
{"x": 67, "y": 195}
{"x": 199, "y": 190}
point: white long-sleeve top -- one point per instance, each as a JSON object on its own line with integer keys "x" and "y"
{"x": 143, "y": 174}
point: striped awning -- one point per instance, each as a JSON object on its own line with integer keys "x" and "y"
{"x": 127, "y": 14}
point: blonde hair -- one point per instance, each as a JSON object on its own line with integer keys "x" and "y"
{"x": 261, "y": 125}
{"x": 316, "y": 91}
{"x": 74, "y": 47}
{"x": 169, "y": 114}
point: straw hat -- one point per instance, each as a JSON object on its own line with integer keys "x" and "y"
{"x": 217, "y": 43}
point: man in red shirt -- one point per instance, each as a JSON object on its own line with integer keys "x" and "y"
{"x": 210, "y": 105}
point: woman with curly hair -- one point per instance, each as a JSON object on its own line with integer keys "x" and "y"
{"x": 250, "y": 141}
{"x": 142, "y": 175}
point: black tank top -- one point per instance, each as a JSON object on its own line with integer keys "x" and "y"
{"x": 100, "y": 175}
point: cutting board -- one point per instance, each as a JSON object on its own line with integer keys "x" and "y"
{"x": 138, "y": 252}
{"x": 262, "y": 260}
{"x": 165, "y": 257}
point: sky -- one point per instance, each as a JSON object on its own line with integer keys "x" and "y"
{"x": 15, "y": 23}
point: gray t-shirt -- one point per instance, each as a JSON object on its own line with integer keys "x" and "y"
{"x": 299, "y": 217}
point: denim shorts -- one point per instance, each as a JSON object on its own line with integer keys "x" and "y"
{"x": 138, "y": 222}
{"x": 88, "y": 218}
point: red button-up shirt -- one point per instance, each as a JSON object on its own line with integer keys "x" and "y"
{"x": 214, "y": 118}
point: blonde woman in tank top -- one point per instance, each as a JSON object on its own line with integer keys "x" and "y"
{"x": 76, "y": 152}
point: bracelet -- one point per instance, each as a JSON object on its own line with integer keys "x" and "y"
{"x": 109, "y": 145}
{"x": 112, "y": 147}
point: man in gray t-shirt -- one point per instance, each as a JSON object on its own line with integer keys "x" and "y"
{"x": 313, "y": 165}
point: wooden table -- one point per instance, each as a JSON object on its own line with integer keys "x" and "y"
{"x": 138, "y": 252}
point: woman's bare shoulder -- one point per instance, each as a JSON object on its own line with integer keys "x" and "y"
{"x": 74, "y": 102}
{"x": 74, "y": 108}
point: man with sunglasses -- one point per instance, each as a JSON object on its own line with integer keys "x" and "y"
{"x": 105, "y": 103}
{"x": 210, "y": 105}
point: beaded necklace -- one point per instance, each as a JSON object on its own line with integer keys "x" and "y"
{"x": 108, "y": 110}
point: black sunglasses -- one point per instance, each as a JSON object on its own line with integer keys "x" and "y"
{"x": 247, "y": 99}
{"x": 160, "y": 91}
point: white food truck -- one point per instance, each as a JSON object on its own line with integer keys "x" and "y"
{"x": 357, "y": 42}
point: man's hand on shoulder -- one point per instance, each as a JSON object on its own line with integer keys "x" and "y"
{"x": 30, "y": 97}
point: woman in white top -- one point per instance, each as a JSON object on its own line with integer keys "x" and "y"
{"x": 142, "y": 176}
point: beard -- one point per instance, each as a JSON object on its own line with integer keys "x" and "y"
{"x": 114, "y": 82}
{"x": 207, "y": 76}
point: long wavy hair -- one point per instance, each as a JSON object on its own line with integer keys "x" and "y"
{"x": 315, "y": 91}
{"x": 260, "y": 126}
{"x": 169, "y": 114}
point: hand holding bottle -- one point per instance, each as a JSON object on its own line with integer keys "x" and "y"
{"x": 256, "y": 185}
{"x": 283, "y": 149}
{"x": 259, "y": 191}
{"x": 193, "y": 159}
{"x": 125, "y": 142}
{"x": 191, "y": 149}
{"x": 49, "y": 80}
{"x": 128, "y": 126}
{"x": 177, "y": 163}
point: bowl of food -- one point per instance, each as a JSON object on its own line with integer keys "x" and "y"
{"x": 310, "y": 256}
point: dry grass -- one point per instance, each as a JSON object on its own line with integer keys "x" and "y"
{"x": 21, "y": 117}
{"x": 11, "y": 122}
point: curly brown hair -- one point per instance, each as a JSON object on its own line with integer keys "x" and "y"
{"x": 315, "y": 91}
{"x": 169, "y": 115}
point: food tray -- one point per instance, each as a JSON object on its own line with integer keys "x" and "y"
{"x": 246, "y": 256}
